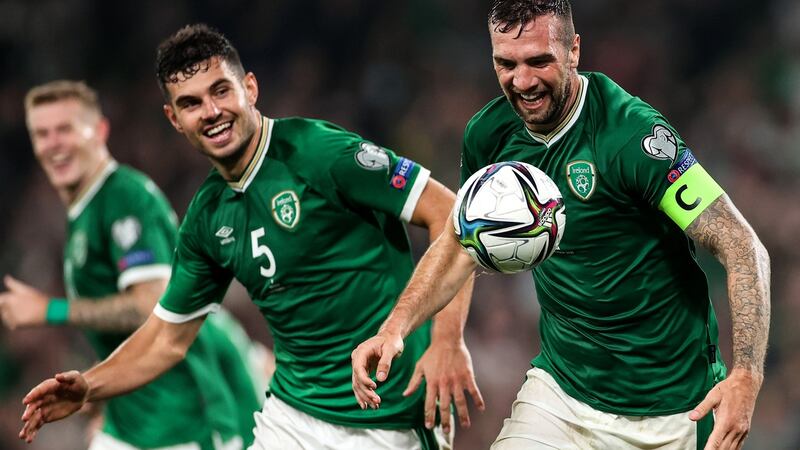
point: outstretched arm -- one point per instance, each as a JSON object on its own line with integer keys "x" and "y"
{"x": 446, "y": 366}
{"x": 724, "y": 232}
{"x": 441, "y": 272}
{"x": 25, "y": 306}
{"x": 150, "y": 351}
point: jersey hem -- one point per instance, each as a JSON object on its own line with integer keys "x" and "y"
{"x": 370, "y": 423}
{"x": 618, "y": 411}
{"x": 416, "y": 192}
{"x": 171, "y": 317}
{"x": 143, "y": 273}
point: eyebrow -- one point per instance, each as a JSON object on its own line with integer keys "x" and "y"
{"x": 185, "y": 98}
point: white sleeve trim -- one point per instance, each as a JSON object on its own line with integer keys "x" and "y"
{"x": 414, "y": 195}
{"x": 171, "y": 317}
{"x": 143, "y": 273}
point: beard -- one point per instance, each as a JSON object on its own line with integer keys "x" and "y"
{"x": 555, "y": 110}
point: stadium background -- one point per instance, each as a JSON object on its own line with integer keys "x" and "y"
{"x": 408, "y": 75}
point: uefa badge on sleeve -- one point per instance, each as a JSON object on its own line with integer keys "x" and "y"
{"x": 286, "y": 209}
{"x": 581, "y": 179}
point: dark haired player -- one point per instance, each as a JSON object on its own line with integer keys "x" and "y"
{"x": 309, "y": 218}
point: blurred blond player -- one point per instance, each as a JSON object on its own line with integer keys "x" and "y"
{"x": 120, "y": 238}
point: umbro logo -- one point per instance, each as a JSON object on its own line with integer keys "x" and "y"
{"x": 224, "y": 233}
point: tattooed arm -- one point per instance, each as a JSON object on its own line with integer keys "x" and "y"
{"x": 25, "y": 306}
{"x": 124, "y": 311}
{"x": 725, "y": 233}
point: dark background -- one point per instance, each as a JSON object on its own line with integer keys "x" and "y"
{"x": 409, "y": 75}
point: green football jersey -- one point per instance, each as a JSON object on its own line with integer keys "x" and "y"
{"x": 122, "y": 231}
{"x": 314, "y": 231}
{"x": 627, "y": 325}
{"x": 233, "y": 349}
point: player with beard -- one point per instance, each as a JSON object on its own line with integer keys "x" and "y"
{"x": 629, "y": 355}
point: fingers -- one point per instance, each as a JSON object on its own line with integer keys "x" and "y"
{"x": 460, "y": 400}
{"x": 475, "y": 393}
{"x": 416, "y": 380}
{"x": 384, "y": 365}
{"x": 39, "y": 391}
{"x": 444, "y": 408}
{"x": 709, "y": 403}
{"x": 363, "y": 386}
{"x": 430, "y": 405}
{"x": 12, "y": 283}
{"x": 31, "y": 426}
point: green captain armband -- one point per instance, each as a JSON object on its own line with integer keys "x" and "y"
{"x": 689, "y": 195}
{"x": 57, "y": 311}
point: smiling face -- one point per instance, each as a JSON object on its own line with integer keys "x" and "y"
{"x": 69, "y": 141}
{"x": 537, "y": 70}
{"x": 215, "y": 109}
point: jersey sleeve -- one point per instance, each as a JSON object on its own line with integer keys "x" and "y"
{"x": 142, "y": 233}
{"x": 658, "y": 168}
{"x": 197, "y": 285}
{"x": 371, "y": 176}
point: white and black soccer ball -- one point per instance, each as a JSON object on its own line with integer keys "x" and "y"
{"x": 509, "y": 216}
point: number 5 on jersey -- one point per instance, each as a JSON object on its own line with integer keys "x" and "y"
{"x": 261, "y": 250}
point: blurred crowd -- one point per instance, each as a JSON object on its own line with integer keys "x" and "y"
{"x": 408, "y": 75}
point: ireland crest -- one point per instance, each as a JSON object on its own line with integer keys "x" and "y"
{"x": 286, "y": 209}
{"x": 581, "y": 179}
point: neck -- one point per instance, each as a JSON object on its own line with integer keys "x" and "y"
{"x": 232, "y": 168}
{"x": 71, "y": 194}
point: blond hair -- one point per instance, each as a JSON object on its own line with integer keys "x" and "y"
{"x": 59, "y": 90}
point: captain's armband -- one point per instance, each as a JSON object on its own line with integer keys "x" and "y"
{"x": 689, "y": 195}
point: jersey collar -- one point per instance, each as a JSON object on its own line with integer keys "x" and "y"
{"x": 562, "y": 128}
{"x": 258, "y": 158}
{"x": 77, "y": 206}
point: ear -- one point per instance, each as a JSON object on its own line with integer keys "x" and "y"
{"x": 250, "y": 88}
{"x": 172, "y": 117}
{"x": 103, "y": 129}
{"x": 575, "y": 52}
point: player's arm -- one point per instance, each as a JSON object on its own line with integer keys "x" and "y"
{"x": 442, "y": 271}
{"x": 722, "y": 230}
{"x": 147, "y": 353}
{"x": 446, "y": 366}
{"x": 121, "y": 312}
{"x": 25, "y": 306}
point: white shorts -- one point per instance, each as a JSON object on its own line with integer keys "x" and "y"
{"x": 282, "y": 427}
{"x": 103, "y": 441}
{"x": 545, "y": 417}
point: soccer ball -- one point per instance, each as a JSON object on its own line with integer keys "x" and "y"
{"x": 509, "y": 216}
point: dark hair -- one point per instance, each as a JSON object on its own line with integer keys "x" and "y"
{"x": 182, "y": 55}
{"x": 505, "y": 15}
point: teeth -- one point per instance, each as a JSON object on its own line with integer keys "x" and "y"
{"x": 218, "y": 129}
{"x": 532, "y": 97}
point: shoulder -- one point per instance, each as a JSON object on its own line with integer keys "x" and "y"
{"x": 492, "y": 124}
{"x": 207, "y": 199}
{"x": 311, "y": 148}
{"x": 307, "y": 136}
{"x": 615, "y": 106}
{"x": 129, "y": 189}
{"x": 620, "y": 120}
